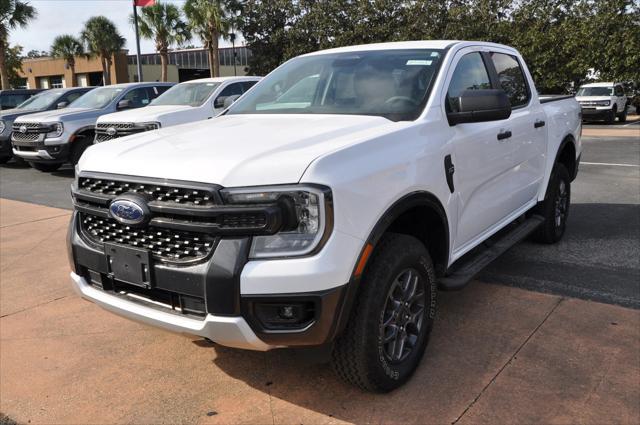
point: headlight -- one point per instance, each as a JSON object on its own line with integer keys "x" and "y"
{"x": 2, "y": 126}
{"x": 55, "y": 130}
{"x": 602, "y": 102}
{"x": 308, "y": 218}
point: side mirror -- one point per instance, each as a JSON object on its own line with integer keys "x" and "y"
{"x": 229, "y": 100}
{"x": 480, "y": 106}
{"x": 124, "y": 104}
{"x": 219, "y": 102}
{"x": 62, "y": 105}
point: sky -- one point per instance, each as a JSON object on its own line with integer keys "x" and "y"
{"x": 57, "y": 17}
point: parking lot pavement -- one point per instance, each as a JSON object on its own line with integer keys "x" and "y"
{"x": 497, "y": 354}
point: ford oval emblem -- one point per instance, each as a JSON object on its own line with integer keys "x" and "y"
{"x": 127, "y": 211}
{"x": 23, "y": 129}
{"x": 111, "y": 131}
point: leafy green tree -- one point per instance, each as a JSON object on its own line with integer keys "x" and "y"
{"x": 67, "y": 47}
{"x": 13, "y": 14}
{"x": 103, "y": 40}
{"x": 31, "y": 54}
{"x": 163, "y": 24}
{"x": 211, "y": 20}
{"x": 13, "y": 63}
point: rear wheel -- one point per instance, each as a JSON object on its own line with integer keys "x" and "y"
{"x": 45, "y": 166}
{"x": 555, "y": 207}
{"x": 392, "y": 318}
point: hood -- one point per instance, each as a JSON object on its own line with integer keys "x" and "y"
{"x": 65, "y": 114}
{"x": 12, "y": 114}
{"x": 147, "y": 114}
{"x": 234, "y": 150}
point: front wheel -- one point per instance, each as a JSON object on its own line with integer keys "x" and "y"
{"x": 611, "y": 116}
{"x": 45, "y": 166}
{"x": 623, "y": 116}
{"x": 555, "y": 207}
{"x": 391, "y": 319}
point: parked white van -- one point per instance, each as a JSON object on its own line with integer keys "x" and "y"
{"x": 186, "y": 102}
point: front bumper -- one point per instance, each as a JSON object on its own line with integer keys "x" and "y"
{"x": 40, "y": 152}
{"x": 225, "y": 316}
{"x": 596, "y": 113}
{"x": 229, "y": 331}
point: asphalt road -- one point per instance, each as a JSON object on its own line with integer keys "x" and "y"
{"x": 598, "y": 259}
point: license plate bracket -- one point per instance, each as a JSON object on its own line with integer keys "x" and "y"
{"x": 129, "y": 264}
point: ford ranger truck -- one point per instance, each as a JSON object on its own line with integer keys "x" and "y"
{"x": 46, "y": 101}
{"x": 183, "y": 103}
{"x": 47, "y": 140}
{"x": 334, "y": 215}
{"x": 603, "y": 101}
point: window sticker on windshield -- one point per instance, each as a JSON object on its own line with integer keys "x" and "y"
{"x": 421, "y": 62}
{"x": 209, "y": 84}
{"x": 145, "y": 101}
{"x": 435, "y": 54}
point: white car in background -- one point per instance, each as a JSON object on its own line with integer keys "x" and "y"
{"x": 602, "y": 101}
{"x": 186, "y": 102}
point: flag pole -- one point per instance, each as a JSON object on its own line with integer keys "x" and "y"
{"x": 135, "y": 22}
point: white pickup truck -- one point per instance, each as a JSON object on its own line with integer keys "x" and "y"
{"x": 183, "y": 103}
{"x": 328, "y": 218}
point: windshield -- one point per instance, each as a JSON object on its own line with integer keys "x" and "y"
{"x": 390, "y": 83}
{"x": 41, "y": 100}
{"x": 595, "y": 91}
{"x": 97, "y": 98}
{"x": 190, "y": 94}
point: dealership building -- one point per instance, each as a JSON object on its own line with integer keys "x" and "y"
{"x": 184, "y": 65}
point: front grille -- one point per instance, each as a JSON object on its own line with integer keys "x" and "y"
{"x": 161, "y": 193}
{"x": 121, "y": 129}
{"x": 25, "y": 137}
{"x": 31, "y": 126}
{"x": 165, "y": 244}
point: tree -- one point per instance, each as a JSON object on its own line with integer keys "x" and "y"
{"x": 211, "y": 20}
{"x": 13, "y": 14}
{"x": 32, "y": 54}
{"x": 102, "y": 39}
{"x": 67, "y": 47}
{"x": 163, "y": 24}
{"x": 13, "y": 62}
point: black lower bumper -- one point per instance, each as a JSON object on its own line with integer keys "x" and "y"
{"x": 213, "y": 287}
{"x": 5, "y": 147}
{"x": 596, "y": 114}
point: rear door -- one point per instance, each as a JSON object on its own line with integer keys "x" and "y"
{"x": 527, "y": 145}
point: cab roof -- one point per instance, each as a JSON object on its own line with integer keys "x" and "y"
{"x": 223, "y": 79}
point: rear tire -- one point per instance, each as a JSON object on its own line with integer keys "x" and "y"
{"x": 391, "y": 319}
{"x": 4, "y": 159}
{"x": 45, "y": 167}
{"x": 555, "y": 207}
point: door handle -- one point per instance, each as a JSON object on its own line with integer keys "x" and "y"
{"x": 504, "y": 135}
{"x": 538, "y": 124}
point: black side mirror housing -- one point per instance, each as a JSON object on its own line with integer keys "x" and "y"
{"x": 61, "y": 105}
{"x": 480, "y": 106}
{"x": 219, "y": 102}
{"x": 229, "y": 100}
{"x": 124, "y": 104}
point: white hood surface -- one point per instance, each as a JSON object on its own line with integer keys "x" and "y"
{"x": 58, "y": 114}
{"x": 234, "y": 150}
{"x": 149, "y": 113}
{"x": 592, "y": 98}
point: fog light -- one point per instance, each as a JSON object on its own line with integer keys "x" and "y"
{"x": 274, "y": 315}
{"x": 286, "y": 312}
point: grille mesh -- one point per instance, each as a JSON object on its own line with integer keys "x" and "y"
{"x": 164, "y": 244}
{"x": 25, "y": 137}
{"x": 116, "y": 125}
{"x": 167, "y": 194}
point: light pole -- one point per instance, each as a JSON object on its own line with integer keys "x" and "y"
{"x": 232, "y": 36}
{"x": 135, "y": 21}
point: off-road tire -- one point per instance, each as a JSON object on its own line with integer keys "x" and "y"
{"x": 78, "y": 146}
{"x": 553, "y": 227}
{"x": 611, "y": 117}
{"x": 45, "y": 167}
{"x": 359, "y": 356}
{"x": 623, "y": 115}
{"x": 4, "y": 159}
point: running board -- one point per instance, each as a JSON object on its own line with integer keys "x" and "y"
{"x": 463, "y": 270}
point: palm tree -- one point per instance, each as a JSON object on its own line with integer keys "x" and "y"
{"x": 13, "y": 14}
{"x": 67, "y": 47}
{"x": 102, "y": 39}
{"x": 163, "y": 24}
{"x": 211, "y": 20}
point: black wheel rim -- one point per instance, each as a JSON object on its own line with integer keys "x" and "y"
{"x": 562, "y": 202}
{"x": 403, "y": 316}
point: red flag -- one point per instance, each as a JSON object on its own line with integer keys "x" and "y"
{"x": 143, "y": 3}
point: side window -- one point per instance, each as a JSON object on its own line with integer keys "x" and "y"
{"x": 247, "y": 85}
{"x": 13, "y": 100}
{"x": 470, "y": 74}
{"x": 72, "y": 96}
{"x": 512, "y": 78}
{"x": 619, "y": 91}
{"x": 138, "y": 97}
{"x": 230, "y": 90}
